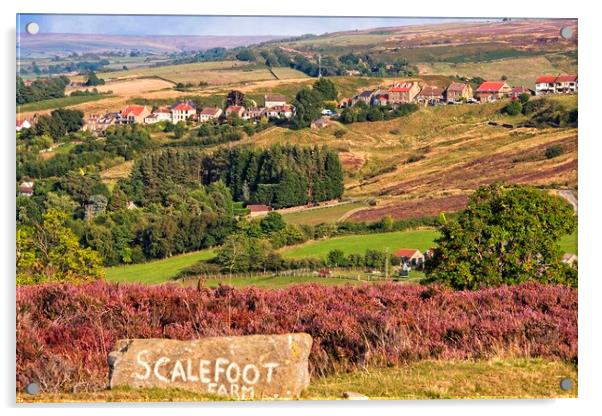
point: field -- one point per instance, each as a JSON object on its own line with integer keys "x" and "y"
{"x": 519, "y": 71}
{"x": 59, "y": 102}
{"x": 498, "y": 378}
{"x": 323, "y": 215}
{"x": 420, "y": 239}
{"x": 161, "y": 271}
{"x": 115, "y": 173}
{"x": 156, "y": 271}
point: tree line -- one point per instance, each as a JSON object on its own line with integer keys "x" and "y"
{"x": 41, "y": 89}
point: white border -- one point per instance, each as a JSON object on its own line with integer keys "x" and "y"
{"x": 590, "y": 155}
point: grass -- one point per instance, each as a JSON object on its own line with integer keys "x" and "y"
{"x": 494, "y": 379}
{"x": 322, "y": 215}
{"x": 420, "y": 239}
{"x": 568, "y": 243}
{"x": 272, "y": 282}
{"x": 60, "y": 102}
{"x": 158, "y": 271}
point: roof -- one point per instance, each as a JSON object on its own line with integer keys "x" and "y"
{"x": 135, "y": 110}
{"x": 431, "y": 92}
{"x": 234, "y": 108}
{"x": 281, "y": 108}
{"x": 210, "y": 111}
{"x": 26, "y": 187}
{"x": 366, "y": 93}
{"x": 548, "y": 79}
{"x": 258, "y": 207}
{"x": 275, "y": 97}
{"x": 406, "y": 252}
{"x": 403, "y": 87}
{"x": 566, "y": 78}
{"x": 521, "y": 89}
{"x": 456, "y": 87}
{"x": 20, "y": 122}
{"x": 491, "y": 86}
{"x": 183, "y": 107}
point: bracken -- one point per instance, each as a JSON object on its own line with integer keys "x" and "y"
{"x": 65, "y": 331}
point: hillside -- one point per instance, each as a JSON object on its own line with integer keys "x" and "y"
{"x": 430, "y": 160}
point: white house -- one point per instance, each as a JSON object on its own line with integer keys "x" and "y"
{"x": 280, "y": 111}
{"x": 552, "y": 84}
{"x": 253, "y": 113}
{"x": 26, "y": 188}
{"x": 23, "y": 124}
{"x": 182, "y": 111}
{"x": 274, "y": 100}
{"x": 210, "y": 113}
{"x": 160, "y": 114}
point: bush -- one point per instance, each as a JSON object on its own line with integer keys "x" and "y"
{"x": 554, "y": 151}
{"x": 512, "y": 108}
{"x": 339, "y": 133}
{"x": 64, "y": 332}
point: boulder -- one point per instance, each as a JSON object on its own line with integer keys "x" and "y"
{"x": 240, "y": 368}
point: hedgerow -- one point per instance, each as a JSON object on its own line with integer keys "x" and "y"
{"x": 65, "y": 331}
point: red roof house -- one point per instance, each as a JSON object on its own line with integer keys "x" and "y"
{"x": 133, "y": 114}
{"x": 555, "y": 84}
{"x": 258, "y": 209}
{"x": 410, "y": 256}
{"x": 492, "y": 90}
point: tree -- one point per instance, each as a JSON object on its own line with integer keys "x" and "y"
{"x": 336, "y": 258}
{"x": 326, "y": 89}
{"x": 179, "y": 130}
{"x": 512, "y": 108}
{"x": 307, "y": 108}
{"x": 246, "y": 55}
{"x": 93, "y": 80}
{"x": 506, "y": 235}
{"x": 272, "y": 222}
{"x": 50, "y": 251}
{"x": 524, "y": 97}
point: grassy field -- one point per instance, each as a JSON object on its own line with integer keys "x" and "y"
{"x": 272, "y": 282}
{"x": 60, "y": 102}
{"x": 322, "y": 215}
{"x": 155, "y": 271}
{"x": 494, "y": 379}
{"x": 520, "y": 71}
{"x": 420, "y": 239}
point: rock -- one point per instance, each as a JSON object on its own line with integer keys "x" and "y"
{"x": 241, "y": 368}
{"x": 351, "y": 395}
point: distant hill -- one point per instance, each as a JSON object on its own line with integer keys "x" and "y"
{"x": 75, "y": 42}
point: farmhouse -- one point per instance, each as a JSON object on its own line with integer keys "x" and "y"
{"x": 256, "y": 210}
{"x": 410, "y": 256}
{"x": 97, "y": 124}
{"x": 26, "y": 189}
{"x": 280, "y": 111}
{"x": 253, "y": 113}
{"x": 345, "y": 103}
{"x": 403, "y": 92}
{"x": 552, "y": 84}
{"x": 516, "y": 91}
{"x": 182, "y": 111}
{"x": 236, "y": 110}
{"x": 365, "y": 96}
{"x": 430, "y": 95}
{"x": 133, "y": 114}
{"x": 210, "y": 113}
{"x": 458, "y": 91}
{"x": 490, "y": 91}
{"x": 23, "y": 124}
{"x": 380, "y": 97}
{"x": 160, "y": 114}
{"x": 274, "y": 100}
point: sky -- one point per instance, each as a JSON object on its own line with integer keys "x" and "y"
{"x": 208, "y": 25}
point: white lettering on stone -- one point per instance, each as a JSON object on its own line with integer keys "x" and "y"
{"x": 245, "y": 374}
{"x": 158, "y": 364}
{"x": 218, "y": 368}
{"x": 189, "y": 375}
{"x": 143, "y": 363}
{"x": 247, "y": 392}
{"x": 233, "y": 368}
{"x": 222, "y": 390}
{"x": 270, "y": 367}
{"x": 178, "y": 371}
{"x": 211, "y": 388}
{"x": 204, "y": 371}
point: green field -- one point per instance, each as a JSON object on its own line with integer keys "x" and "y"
{"x": 420, "y": 239}
{"x": 161, "y": 271}
{"x": 60, "y": 102}
{"x": 272, "y": 282}
{"x": 156, "y": 271}
{"x": 322, "y": 215}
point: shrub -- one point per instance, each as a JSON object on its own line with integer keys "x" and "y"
{"x": 339, "y": 133}
{"x": 554, "y": 151}
{"x": 512, "y": 108}
{"x": 64, "y": 332}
